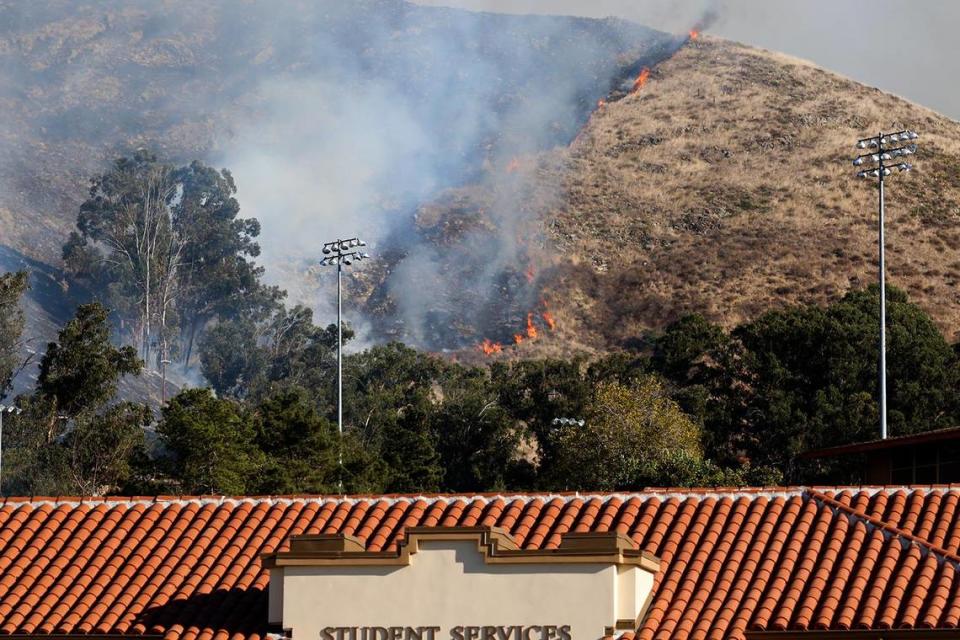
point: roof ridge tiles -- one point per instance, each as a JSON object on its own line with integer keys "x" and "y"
{"x": 430, "y": 498}
{"x": 887, "y": 528}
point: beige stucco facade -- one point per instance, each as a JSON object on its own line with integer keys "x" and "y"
{"x": 459, "y": 583}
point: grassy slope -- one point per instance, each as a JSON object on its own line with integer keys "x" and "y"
{"x": 725, "y": 187}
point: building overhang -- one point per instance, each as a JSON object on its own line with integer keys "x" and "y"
{"x": 495, "y": 546}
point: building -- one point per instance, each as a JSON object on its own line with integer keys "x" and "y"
{"x": 785, "y": 563}
{"x": 930, "y": 457}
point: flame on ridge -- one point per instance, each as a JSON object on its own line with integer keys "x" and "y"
{"x": 641, "y": 79}
{"x": 530, "y": 332}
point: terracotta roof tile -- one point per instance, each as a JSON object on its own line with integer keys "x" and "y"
{"x": 732, "y": 561}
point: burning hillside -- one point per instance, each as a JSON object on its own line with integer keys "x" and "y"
{"x": 716, "y": 181}
{"x": 527, "y": 184}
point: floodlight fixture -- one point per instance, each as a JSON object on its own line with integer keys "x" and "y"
{"x": 341, "y": 253}
{"x": 878, "y": 169}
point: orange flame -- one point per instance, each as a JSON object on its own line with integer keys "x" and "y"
{"x": 531, "y": 274}
{"x": 514, "y": 165}
{"x": 489, "y": 347}
{"x": 601, "y": 103}
{"x": 641, "y": 79}
{"x": 694, "y": 34}
{"x": 549, "y": 319}
{"x": 518, "y": 338}
{"x": 531, "y": 328}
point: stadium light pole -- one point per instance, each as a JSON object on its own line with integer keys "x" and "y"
{"x": 4, "y": 408}
{"x": 883, "y": 148}
{"x": 340, "y": 253}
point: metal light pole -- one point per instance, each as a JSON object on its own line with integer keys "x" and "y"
{"x": 885, "y": 147}
{"x": 4, "y": 409}
{"x": 340, "y": 253}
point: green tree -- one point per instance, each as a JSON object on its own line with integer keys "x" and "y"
{"x": 210, "y": 444}
{"x": 127, "y": 245}
{"x": 300, "y": 447}
{"x": 231, "y": 357}
{"x": 408, "y": 446}
{"x": 477, "y": 440}
{"x": 99, "y": 449}
{"x": 165, "y": 247}
{"x": 81, "y": 370}
{"x": 631, "y": 437}
{"x": 389, "y": 394}
{"x": 12, "y": 288}
{"x": 218, "y": 278}
{"x": 67, "y": 439}
{"x": 684, "y": 343}
{"x": 811, "y": 373}
{"x": 535, "y": 392}
{"x": 246, "y": 358}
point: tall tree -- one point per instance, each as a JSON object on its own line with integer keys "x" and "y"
{"x": 68, "y": 439}
{"x": 219, "y": 277}
{"x": 12, "y": 287}
{"x": 479, "y": 444}
{"x": 127, "y": 244}
{"x": 165, "y": 247}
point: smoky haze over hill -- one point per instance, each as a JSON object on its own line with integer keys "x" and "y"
{"x": 503, "y": 168}
{"x": 908, "y": 48}
{"x": 336, "y": 118}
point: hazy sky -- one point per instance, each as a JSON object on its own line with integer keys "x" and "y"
{"x": 907, "y": 47}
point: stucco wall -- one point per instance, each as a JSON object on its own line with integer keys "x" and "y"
{"x": 447, "y": 584}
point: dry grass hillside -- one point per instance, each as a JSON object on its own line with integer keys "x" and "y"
{"x": 725, "y": 186}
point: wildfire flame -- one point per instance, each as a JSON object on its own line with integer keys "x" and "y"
{"x": 531, "y": 328}
{"x": 694, "y": 34}
{"x": 514, "y": 165}
{"x": 489, "y": 347}
{"x": 641, "y": 79}
{"x": 530, "y": 274}
{"x": 601, "y": 103}
{"x": 549, "y": 319}
{"x": 518, "y": 338}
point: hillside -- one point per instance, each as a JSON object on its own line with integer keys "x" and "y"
{"x": 725, "y": 186}
{"x": 502, "y": 201}
{"x": 362, "y": 109}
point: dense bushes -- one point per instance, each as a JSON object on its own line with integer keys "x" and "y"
{"x": 699, "y": 406}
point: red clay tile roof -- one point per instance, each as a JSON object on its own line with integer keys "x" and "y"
{"x": 732, "y": 560}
